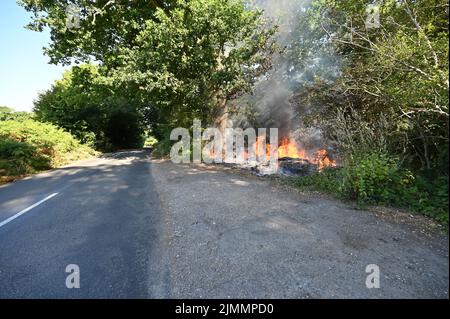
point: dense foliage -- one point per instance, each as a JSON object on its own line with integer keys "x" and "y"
{"x": 27, "y": 146}
{"x": 397, "y": 70}
{"x": 91, "y": 110}
{"x": 175, "y": 60}
{"x": 186, "y": 62}
{"x": 377, "y": 179}
{"x": 83, "y": 29}
{"x": 7, "y": 113}
{"x": 388, "y": 107}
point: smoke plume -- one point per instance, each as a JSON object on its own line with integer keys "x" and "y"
{"x": 275, "y": 102}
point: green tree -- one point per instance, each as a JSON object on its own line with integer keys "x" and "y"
{"x": 175, "y": 59}
{"x": 398, "y": 68}
{"x": 83, "y": 29}
{"x": 81, "y": 103}
{"x": 388, "y": 106}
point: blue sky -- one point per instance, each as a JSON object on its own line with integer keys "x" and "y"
{"x": 24, "y": 70}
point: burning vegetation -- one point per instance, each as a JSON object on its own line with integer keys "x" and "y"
{"x": 290, "y": 157}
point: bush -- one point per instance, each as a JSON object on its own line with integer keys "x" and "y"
{"x": 328, "y": 180}
{"x": 427, "y": 196}
{"x": 29, "y": 146}
{"x": 10, "y": 148}
{"x": 374, "y": 178}
{"x": 17, "y": 158}
{"x": 7, "y": 114}
{"x": 162, "y": 148}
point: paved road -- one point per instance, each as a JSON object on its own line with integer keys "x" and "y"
{"x": 106, "y": 219}
{"x": 141, "y": 228}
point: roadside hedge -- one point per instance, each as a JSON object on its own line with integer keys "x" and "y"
{"x": 29, "y": 146}
{"x": 375, "y": 178}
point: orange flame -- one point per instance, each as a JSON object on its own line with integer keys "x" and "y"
{"x": 258, "y": 147}
{"x": 288, "y": 148}
{"x": 323, "y": 160}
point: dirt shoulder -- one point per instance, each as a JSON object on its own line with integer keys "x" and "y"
{"x": 232, "y": 234}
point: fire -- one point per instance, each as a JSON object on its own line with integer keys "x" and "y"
{"x": 323, "y": 160}
{"x": 290, "y": 148}
{"x": 259, "y": 150}
{"x": 287, "y": 148}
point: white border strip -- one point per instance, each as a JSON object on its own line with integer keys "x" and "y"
{"x": 6, "y": 221}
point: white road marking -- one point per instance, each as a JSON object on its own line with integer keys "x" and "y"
{"x": 6, "y": 221}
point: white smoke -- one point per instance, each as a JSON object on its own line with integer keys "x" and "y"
{"x": 274, "y": 100}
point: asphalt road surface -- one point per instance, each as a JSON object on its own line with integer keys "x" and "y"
{"x": 142, "y": 228}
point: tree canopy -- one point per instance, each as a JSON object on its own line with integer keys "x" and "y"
{"x": 175, "y": 60}
{"x": 83, "y": 29}
{"x": 94, "y": 112}
{"x": 396, "y": 70}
